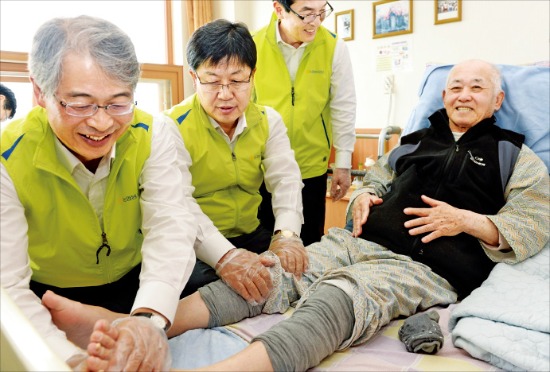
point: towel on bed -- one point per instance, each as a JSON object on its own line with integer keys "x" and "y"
{"x": 506, "y": 321}
{"x": 202, "y": 347}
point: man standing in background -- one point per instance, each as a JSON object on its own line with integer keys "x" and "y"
{"x": 8, "y": 103}
{"x": 305, "y": 73}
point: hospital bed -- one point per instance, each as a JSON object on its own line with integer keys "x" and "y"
{"x": 22, "y": 348}
{"x": 525, "y": 110}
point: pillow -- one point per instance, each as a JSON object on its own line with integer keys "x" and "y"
{"x": 526, "y": 106}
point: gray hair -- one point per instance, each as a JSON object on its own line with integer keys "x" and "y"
{"x": 107, "y": 44}
{"x": 495, "y": 75}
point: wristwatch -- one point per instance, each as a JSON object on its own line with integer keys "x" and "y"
{"x": 158, "y": 320}
{"x": 286, "y": 233}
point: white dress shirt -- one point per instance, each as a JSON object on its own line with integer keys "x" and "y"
{"x": 168, "y": 227}
{"x": 342, "y": 90}
{"x": 282, "y": 177}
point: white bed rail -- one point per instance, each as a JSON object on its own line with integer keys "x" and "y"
{"x": 22, "y": 348}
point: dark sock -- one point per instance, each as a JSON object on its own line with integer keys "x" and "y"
{"x": 421, "y": 333}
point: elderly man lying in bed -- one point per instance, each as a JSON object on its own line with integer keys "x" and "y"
{"x": 434, "y": 216}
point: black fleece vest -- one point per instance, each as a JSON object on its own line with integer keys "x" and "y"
{"x": 471, "y": 174}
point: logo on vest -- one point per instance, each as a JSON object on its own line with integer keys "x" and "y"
{"x": 476, "y": 159}
{"x": 316, "y": 71}
{"x": 128, "y": 198}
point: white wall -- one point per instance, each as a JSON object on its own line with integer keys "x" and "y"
{"x": 504, "y": 31}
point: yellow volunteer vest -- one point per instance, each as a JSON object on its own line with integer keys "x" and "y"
{"x": 64, "y": 231}
{"x": 304, "y": 105}
{"x": 226, "y": 182}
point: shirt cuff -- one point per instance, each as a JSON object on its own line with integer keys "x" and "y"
{"x": 213, "y": 248}
{"x": 289, "y": 221}
{"x": 158, "y": 296}
{"x": 342, "y": 159}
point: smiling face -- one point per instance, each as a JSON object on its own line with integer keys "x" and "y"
{"x": 471, "y": 95}
{"x": 226, "y": 104}
{"x": 293, "y": 30}
{"x": 83, "y": 82}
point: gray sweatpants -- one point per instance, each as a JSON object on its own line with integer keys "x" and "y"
{"x": 380, "y": 284}
{"x": 313, "y": 332}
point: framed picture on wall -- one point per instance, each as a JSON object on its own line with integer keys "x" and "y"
{"x": 446, "y": 11}
{"x": 344, "y": 24}
{"x": 392, "y": 17}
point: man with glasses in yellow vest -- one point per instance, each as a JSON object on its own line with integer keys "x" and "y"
{"x": 304, "y": 72}
{"x": 233, "y": 145}
{"x": 94, "y": 205}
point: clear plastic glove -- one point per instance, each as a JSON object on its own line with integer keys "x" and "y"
{"x": 140, "y": 346}
{"x": 291, "y": 253}
{"x": 341, "y": 181}
{"x": 246, "y": 273}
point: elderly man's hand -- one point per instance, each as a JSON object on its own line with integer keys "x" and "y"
{"x": 341, "y": 181}
{"x": 438, "y": 219}
{"x": 246, "y": 273}
{"x": 291, "y": 253}
{"x": 441, "y": 219}
{"x": 361, "y": 210}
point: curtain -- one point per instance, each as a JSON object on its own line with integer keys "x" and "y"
{"x": 199, "y": 12}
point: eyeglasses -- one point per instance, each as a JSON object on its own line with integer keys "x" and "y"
{"x": 234, "y": 86}
{"x": 310, "y": 18}
{"x": 84, "y": 110}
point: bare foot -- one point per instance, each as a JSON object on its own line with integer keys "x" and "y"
{"x": 74, "y": 318}
{"x": 134, "y": 344}
{"x": 101, "y": 348}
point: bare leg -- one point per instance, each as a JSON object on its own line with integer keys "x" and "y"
{"x": 74, "y": 318}
{"x": 106, "y": 343}
{"x": 192, "y": 313}
{"x": 101, "y": 355}
{"x": 77, "y": 320}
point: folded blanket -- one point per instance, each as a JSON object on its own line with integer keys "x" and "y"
{"x": 506, "y": 321}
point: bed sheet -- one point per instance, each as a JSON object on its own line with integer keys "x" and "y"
{"x": 384, "y": 352}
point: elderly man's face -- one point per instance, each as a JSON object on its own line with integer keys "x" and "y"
{"x": 470, "y": 95}
{"x": 83, "y": 82}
